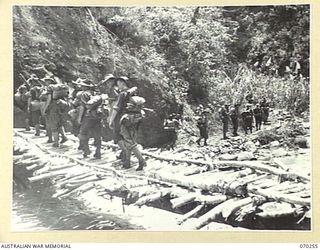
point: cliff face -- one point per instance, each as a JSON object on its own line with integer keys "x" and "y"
{"x": 70, "y": 42}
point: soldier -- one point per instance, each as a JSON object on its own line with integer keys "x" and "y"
{"x": 47, "y": 81}
{"x": 56, "y": 109}
{"x": 129, "y": 124}
{"x": 249, "y": 97}
{"x": 234, "y": 115}
{"x": 247, "y": 118}
{"x": 202, "y": 124}
{"x": 91, "y": 125}
{"x": 34, "y": 106}
{"x": 224, "y": 116}
{"x": 124, "y": 94}
{"x": 171, "y": 126}
{"x": 21, "y": 101}
{"x": 257, "y": 111}
{"x": 82, "y": 98}
{"x": 265, "y": 110}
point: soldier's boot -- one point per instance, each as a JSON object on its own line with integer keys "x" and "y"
{"x": 122, "y": 155}
{"x": 27, "y": 123}
{"x": 126, "y": 164}
{"x": 97, "y": 154}
{"x": 49, "y": 134}
{"x": 63, "y": 134}
{"x": 205, "y": 142}
{"x": 55, "y": 136}
{"x": 85, "y": 147}
{"x": 142, "y": 162}
{"x": 198, "y": 141}
{"x": 37, "y": 127}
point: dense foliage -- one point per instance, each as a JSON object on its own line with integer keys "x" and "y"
{"x": 209, "y": 54}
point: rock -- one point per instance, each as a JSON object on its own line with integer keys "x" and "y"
{"x": 274, "y": 144}
{"x": 225, "y": 150}
{"x": 266, "y": 157}
{"x": 280, "y": 152}
{"x": 245, "y": 156}
{"x": 228, "y": 157}
{"x": 301, "y": 141}
{"x": 250, "y": 146}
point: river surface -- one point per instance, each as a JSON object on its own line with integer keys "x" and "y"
{"x": 34, "y": 209}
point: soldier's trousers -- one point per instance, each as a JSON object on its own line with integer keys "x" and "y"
{"x": 90, "y": 126}
{"x": 225, "y": 128}
{"x": 258, "y": 121}
{"x": 247, "y": 126}
{"x": 172, "y": 135}
{"x": 265, "y": 116}
{"x": 235, "y": 124}
{"x": 127, "y": 139}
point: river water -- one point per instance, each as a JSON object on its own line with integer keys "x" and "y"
{"x": 34, "y": 209}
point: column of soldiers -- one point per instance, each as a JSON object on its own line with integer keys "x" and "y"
{"x": 249, "y": 115}
{"x": 87, "y": 108}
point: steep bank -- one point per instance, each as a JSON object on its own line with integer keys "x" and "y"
{"x": 69, "y": 42}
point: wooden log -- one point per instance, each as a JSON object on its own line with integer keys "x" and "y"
{"x": 152, "y": 197}
{"x": 279, "y": 163}
{"x": 55, "y": 167}
{"x": 211, "y": 199}
{"x": 67, "y": 177}
{"x": 216, "y": 226}
{"x": 194, "y": 212}
{"x": 35, "y": 166}
{"x": 183, "y": 200}
{"x": 47, "y": 175}
{"x": 234, "y": 206}
{"x": 282, "y": 197}
{"x": 212, "y": 214}
{"x": 144, "y": 190}
{"x": 79, "y": 190}
{"x": 60, "y": 192}
{"x": 275, "y": 210}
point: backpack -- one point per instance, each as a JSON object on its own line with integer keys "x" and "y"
{"x": 135, "y": 104}
{"x": 60, "y": 91}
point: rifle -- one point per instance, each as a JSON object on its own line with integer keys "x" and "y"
{"x": 24, "y": 79}
{"x": 150, "y": 110}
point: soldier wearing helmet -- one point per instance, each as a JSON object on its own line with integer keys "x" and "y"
{"x": 224, "y": 116}
{"x": 247, "y": 118}
{"x": 91, "y": 124}
{"x": 129, "y": 125}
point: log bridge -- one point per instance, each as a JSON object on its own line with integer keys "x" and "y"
{"x": 207, "y": 195}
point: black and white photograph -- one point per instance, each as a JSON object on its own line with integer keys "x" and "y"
{"x": 154, "y": 118}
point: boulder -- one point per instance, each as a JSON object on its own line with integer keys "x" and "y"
{"x": 274, "y": 144}
{"x": 280, "y": 152}
{"x": 301, "y": 141}
{"x": 228, "y": 157}
{"x": 250, "y": 146}
{"x": 245, "y": 156}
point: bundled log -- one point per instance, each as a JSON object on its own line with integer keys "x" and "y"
{"x": 183, "y": 200}
{"x": 55, "y": 167}
{"x": 47, "y": 175}
{"x": 193, "y": 213}
{"x": 152, "y": 197}
{"x": 275, "y": 210}
{"x": 293, "y": 199}
{"x": 216, "y": 226}
{"x": 211, "y": 199}
{"x": 79, "y": 190}
{"x": 212, "y": 214}
{"x": 36, "y": 166}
